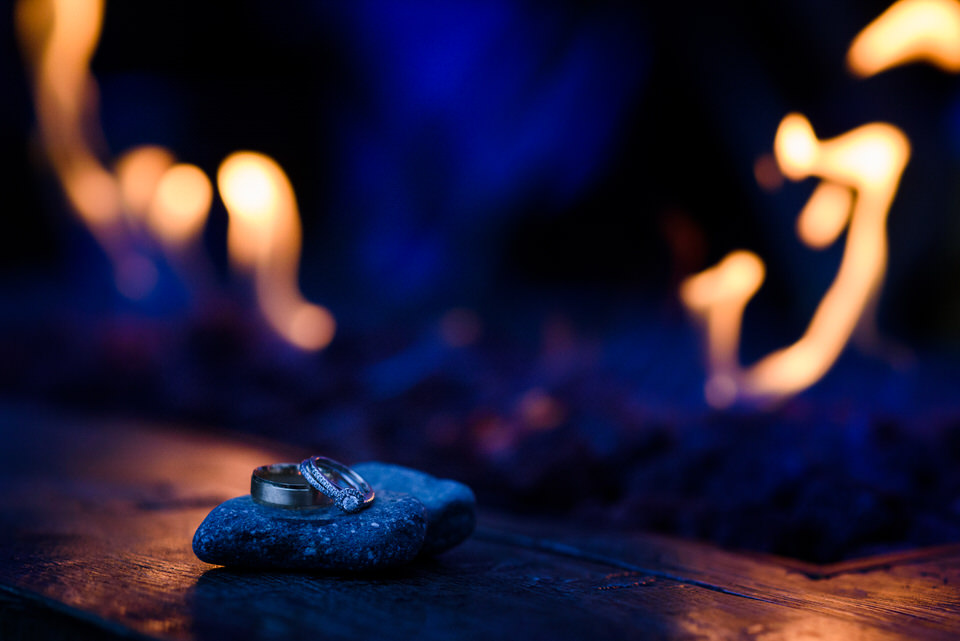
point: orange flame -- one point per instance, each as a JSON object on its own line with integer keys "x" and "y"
{"x": 868, "y": 162}
{"x": 139, "y": 171}
{"x": 58, "y": 39}
{"x": 263, "y": 237}
{"x": 909, "y": 31}
{"x": 180, "y": 204}
{"x": 718, "y": 296}
{"x": 825, "y": 215}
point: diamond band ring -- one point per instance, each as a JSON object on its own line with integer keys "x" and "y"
{"x": 345, "y": 487}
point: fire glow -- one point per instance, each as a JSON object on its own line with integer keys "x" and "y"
{"x": 149, "y": 200}
{"x": 860, "y": 173}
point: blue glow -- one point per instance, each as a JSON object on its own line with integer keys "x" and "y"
{"x": 466, "y": 112}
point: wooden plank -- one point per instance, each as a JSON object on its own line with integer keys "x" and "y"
{"x": 96, "y": 520}
{"x": 917, "y": 596}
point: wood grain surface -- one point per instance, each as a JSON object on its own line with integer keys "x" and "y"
{"x": 96, "y": 519}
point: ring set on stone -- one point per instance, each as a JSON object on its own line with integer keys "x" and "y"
{"x": 315, "y": 481}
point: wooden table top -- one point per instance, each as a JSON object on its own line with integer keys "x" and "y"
{"x": 97, "y": 517}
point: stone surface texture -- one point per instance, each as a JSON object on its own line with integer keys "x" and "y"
{"x": 450, "y": 505}
{"x": 242, "y": 533}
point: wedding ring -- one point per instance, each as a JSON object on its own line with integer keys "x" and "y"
{"x": 282, "y": 485}
{"x": 347, "y": 488}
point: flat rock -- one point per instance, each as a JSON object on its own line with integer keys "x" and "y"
{"x": 243, "y": 533}
{"x": 451, "y": 506}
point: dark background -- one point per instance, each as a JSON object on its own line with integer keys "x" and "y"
{"x": 442, "y": 155}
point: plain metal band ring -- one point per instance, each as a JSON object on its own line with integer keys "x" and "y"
{"x": 282, "y": 485}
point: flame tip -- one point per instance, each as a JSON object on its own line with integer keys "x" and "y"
{"x": 906, "y": 32}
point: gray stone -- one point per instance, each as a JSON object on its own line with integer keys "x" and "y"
{"x": 242, "y": 533}
{"x": 451, "y": 506}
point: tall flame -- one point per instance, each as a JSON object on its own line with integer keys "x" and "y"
{"x": 861, "y": 171}
{"x": 909, "y": 31}
{"x": 719, "y": 296}
{"x": 58, "y": 39}
{"x": 264, "y": 238}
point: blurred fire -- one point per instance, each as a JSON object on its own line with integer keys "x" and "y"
{"x": 139, "y": 171}
{"x": 148, "y": 196}
{"x": 264, "y": 238}
{"x": 718, "y": 296}
{"x": 861, "y": 171}
{"x": 58, "y": 38}
{"x": 909, "y": 31}
{"x": 179, "y": 206}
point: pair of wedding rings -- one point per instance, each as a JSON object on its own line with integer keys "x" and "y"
{"x": 315, "y": 481}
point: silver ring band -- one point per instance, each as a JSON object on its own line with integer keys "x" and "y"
{"x": 347, "y": 488}
{"x": 282, "y": 485}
